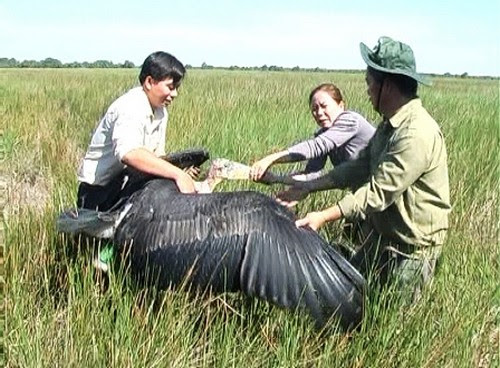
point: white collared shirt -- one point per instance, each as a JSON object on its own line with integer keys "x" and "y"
{"x": 129, "y": 123}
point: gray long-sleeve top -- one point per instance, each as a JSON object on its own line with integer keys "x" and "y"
{"x": 343, "y": 141}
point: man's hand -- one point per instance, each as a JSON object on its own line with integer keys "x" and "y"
{"x": 193, "y": 171}
{"x": 292, "y": 196}
{"x": 185, "y": 183}
{"x": 317, "y": 219}
{"x": 314, "y": 220}
{"x": 202, "y": 187}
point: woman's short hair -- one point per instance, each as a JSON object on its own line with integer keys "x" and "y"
{"x": 329, "y": 88}
{"x": 161, "y": 65}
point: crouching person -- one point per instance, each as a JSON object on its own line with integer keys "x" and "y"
{"x": 130, "y": 138}
{"x": 127, "y": 145}
{"x": 400, "y": 181}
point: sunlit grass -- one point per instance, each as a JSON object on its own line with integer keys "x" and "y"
{"x": 58, "y": 313}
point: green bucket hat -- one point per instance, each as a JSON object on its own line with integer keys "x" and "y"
{"x": 394, "y": 57}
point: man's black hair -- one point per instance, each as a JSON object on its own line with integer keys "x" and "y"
{"x": 160, "y": 65}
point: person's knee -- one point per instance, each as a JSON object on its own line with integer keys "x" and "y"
{"x": 413, "y": 275}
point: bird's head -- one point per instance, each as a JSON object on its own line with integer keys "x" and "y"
{"x": 220, "y": 169}
{"x": 223, "y": 168}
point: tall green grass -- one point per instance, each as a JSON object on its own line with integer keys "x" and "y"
{"x": 58, "y": 312}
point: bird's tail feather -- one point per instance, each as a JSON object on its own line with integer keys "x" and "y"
{"x": 89, "y": 222}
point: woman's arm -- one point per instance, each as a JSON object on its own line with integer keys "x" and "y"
{"x": 260, "y": 167}
{"x": 327, "y": 140}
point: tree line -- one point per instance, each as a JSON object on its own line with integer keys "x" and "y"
{"x": 55, "y": 63}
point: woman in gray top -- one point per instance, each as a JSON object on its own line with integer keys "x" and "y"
{"x": 342, "y": 134}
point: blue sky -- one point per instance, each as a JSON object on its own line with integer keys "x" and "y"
{"x": 446, "y": 36}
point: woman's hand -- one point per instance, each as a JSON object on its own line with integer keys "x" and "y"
{"x": 259, "y": 168}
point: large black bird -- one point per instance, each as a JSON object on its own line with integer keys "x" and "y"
{"x": 229, "y": 241}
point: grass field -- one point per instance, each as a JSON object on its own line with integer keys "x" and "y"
{"x": 57, "y": 313}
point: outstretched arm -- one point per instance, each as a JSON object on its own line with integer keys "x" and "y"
{"x": 145, "y": 161}
{"x": 317, "y": 219}
{"x": 259, "y": 168}
{"x": 350, "y": 174}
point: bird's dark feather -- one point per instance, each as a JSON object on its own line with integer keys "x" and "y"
{"x": 238, "y": 241}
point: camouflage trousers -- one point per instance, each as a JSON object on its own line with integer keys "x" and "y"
{"x": 409, "y": 268}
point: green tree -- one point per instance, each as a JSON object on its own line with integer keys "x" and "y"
{"x": 50, "y": 63}
{"x": 102, "y": 64}
{"x": 8, "y": 63}
{"x": 29, "y": 64}
{"x": 128, "y": 64}
{"x": 74, "y": 64}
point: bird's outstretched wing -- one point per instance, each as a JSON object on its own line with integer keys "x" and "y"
{"x": 238, "y": 241}
{"x": 188, "y": 157}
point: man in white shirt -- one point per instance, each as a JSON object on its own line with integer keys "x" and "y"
{"x": 131, "y": 137}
